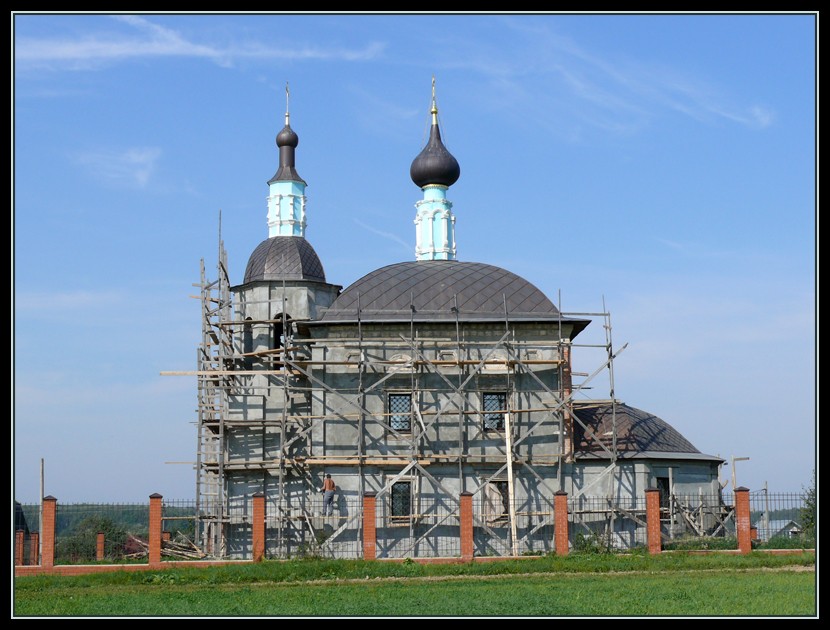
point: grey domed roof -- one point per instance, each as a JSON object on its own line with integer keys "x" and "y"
{"x": 430, "y": 289}
{"x": 284, "y": 258}
{"x": 638, "y": 432}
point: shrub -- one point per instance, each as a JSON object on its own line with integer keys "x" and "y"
{"x": 590, "y": 543}
{"x": 788, "y": 542}
{"x": 808, "y": 512}
{"x": 696, "y": 543}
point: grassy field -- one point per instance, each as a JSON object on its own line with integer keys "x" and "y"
{"x": 602, "y": 585}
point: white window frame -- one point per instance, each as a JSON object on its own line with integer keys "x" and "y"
{"x": 414, "y": 482}
{"x": 487, "y": 515}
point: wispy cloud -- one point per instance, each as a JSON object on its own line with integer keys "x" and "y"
{"x": 695, "y": 250}
{"x": 149, "y": 39}
{"x": 387, "y": 235}
{"x": 381, "y": 115}
{"x": 670, "y": 88}
{"x": 305, "y": 51}
{"x": 129, "y": 167}
{"x": 564, "y": 85}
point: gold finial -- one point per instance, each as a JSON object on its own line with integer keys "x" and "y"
{"x": 434, "y": 110}
{"x": 287, "y": 94}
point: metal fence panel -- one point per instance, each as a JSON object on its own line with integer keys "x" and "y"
{"x": 27, "y": 520}
{"x": 423, "y": 525}
{"x": 179, "y": 525}
{"x": 781, "y": 519}
{"x": 27, "y": 517}
{"x": 301, "y": 528}
{"x": 418, "y": 525}
{"x": 77, "y": 525}
{"x": 698, "y": 516}
{"x": 493, "y": 533}
{"x": 602, "y": 523}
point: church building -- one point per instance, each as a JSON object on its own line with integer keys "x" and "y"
{"x": 420, "y": 381}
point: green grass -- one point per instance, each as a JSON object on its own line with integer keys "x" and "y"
{"x": 578, "y": 585}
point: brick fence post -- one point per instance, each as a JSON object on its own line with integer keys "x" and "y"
{"x": 466, "y": 521}
{"x": 34, "y": 548}
{"x": 258, "y": 528}
{"x": 742, "y": 519}
{"x": 560, "y": 527}
{"x": 154, "y": 554}
{"x": 653, "y": 530}
{"x": 19, "y": 537}
{"x": 47, "y": 536}
{"x": 369, "y": 526}
{"x": 99, "y": 546}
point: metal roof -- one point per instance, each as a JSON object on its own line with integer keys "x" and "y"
{"x": 287, "y": 141}
{"x": 434, "y": 164}
{"x": 431, "y": 289}
{"x": 637, "y": 431}
{"x": 284, "y": 258}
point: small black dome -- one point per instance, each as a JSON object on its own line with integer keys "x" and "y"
{"x": 284, "y": 258}
{"x": 287, "y": 141}
{"x": 287, "y": 138}
{"x": 434, "y": 164}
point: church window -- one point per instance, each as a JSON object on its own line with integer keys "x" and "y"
{"x": 494, "y": 406}
{"x": 400, "y": 411}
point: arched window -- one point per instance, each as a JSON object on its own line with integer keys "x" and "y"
{"x": 278, "y": 336}
{"x": 247, "y": 344}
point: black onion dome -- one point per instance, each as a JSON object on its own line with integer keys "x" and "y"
{"x": 288, "y": 137}
{"x": 284, "y": 258}
{"x": 434, "y": 164}
{"x": 287, "y": 141}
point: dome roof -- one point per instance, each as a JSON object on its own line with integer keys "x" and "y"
{"x": 638, "y": 432}
{"x": 430, "y": 290}
{"x": 434, "y": 164}
{"x": 284, "y": 258}
{"x": 288, "y": 138}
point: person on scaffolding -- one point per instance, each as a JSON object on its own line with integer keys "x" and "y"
{"x": 328, "y": 495}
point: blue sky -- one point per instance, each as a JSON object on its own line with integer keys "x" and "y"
{"x": 665, "y": 164}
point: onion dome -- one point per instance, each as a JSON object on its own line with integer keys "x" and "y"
{"x": 287, "y": 141}
{"x": 434, "y": 164}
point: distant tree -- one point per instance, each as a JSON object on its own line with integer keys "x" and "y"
{"x": 808, "y": 512}
{"x": 81, "y": 543}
